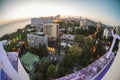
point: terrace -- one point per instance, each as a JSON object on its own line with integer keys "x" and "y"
{"x": 97, "y": 69}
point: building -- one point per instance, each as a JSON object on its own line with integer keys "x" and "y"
{"x": 51, "y": 29}
{"x": 36, "y": 38}
{"x": 117, "y": 29}
{"x": 10, "y": 66}
{"x": 28, "y": 60}
{"x": 38, "y": 22}
{"x": 81, "y": 24}
{"x": 108, "y": 32}
{"x": 84, "y": 23}
{"x": 68, "y": 37}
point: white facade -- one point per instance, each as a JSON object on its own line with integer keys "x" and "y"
{"x": 81, "y": 24}
{"x": 36, "y": 38}
{"x": 117, "y": 29}
{"x": 84, "y": 23}
{"x": 51, "y": 29}
{"x": 38, "y": 22}
{"x": 68, "y": 36}
{"x": 108, "y": 32}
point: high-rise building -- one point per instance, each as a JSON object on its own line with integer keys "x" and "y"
{"x": 51, "y": 29}
{"x": 117, "y": 29}
{"x": 38, "y": 22}
{"x": 81, "y": 24}
{"x": 108, "y": 32}
{"x": 36, "y": 38}
{"x": 84, "y": 23}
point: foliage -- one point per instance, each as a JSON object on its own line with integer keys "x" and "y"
{"x": 42, "y": 69}
{"x": 91, "y": 29}
{"x": 82, "y": 32}
{"x": 79, "y": 38}
{"x": 75, "y": 50}
{"x": 100, "y": 49}
{"x": 99, "y": 33}
{"x": 88, "y": 43}
{"x": 42, "y": 49}
{"x": 51, "y": 71}
{"x": 66, "y": 66}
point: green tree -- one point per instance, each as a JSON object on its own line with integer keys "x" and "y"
{"x": 66, "y": 66}
{"x": 79, "y": 38}
{"x": 88, "y": 43}
{"x": 99, "y": 33}
{"x": 42, "y": 68}
{"x": 51, "y": 71}
{"x": 82, "y": 32}
{"x": 100, "y": 49}
{"x": 87, "y": 55}
{"x": 75, "y": 50}
{"x": 42, "y": 50}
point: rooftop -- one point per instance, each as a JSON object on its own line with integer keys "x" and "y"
{"x": 38, "y": 34}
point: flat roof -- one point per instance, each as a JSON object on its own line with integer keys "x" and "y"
{"x": 38, "y": 34}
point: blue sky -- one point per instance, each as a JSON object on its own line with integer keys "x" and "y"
{"x": 106, "y": 11}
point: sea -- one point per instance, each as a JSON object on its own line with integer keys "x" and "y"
{"x": 12, "y": 27}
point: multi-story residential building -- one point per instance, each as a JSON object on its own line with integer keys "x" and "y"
{"x": 108, "y": 32}
{"x": 36, "y": 38}
{"x": 38, "y": 22}
{"x": 85, "y": 23}
{"x": 81, "y": 24}
{"x": 51, "y": 29}
{"x": 117, "y": 29}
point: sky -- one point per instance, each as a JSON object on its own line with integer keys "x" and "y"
{"x": 106, "y": 11}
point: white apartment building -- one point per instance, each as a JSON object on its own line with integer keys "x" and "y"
{"x": 84, "y": 23}
{"x": 38, "y": 22}
{"x": 81, "y": 24}
{"x": 36, "y": 38}
{"x": 117, "y": 29}
{"x": 108, "y": 32}
{"x": 51, "y": 29}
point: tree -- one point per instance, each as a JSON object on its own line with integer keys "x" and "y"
{"x": 87, "y": 55}
{"x": 88, "y": 43}
{"x": 5, "y": 37}
{"x": 66, "y": 66}
{"x": 42, "y": 50}
{"x": 79, "y": 38}
{"x": 99, "y": 33}
{"x": 42, "y": 68}
{"x": 75, "y": 50}
{"x": 82, "y": 31}
{"x": 91, "y": 29}
{"x": 51, "y": 71}
{"x": 100, "y": 49}
{"x": 70, "y": 60}
{"x": 61, "y": 71}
